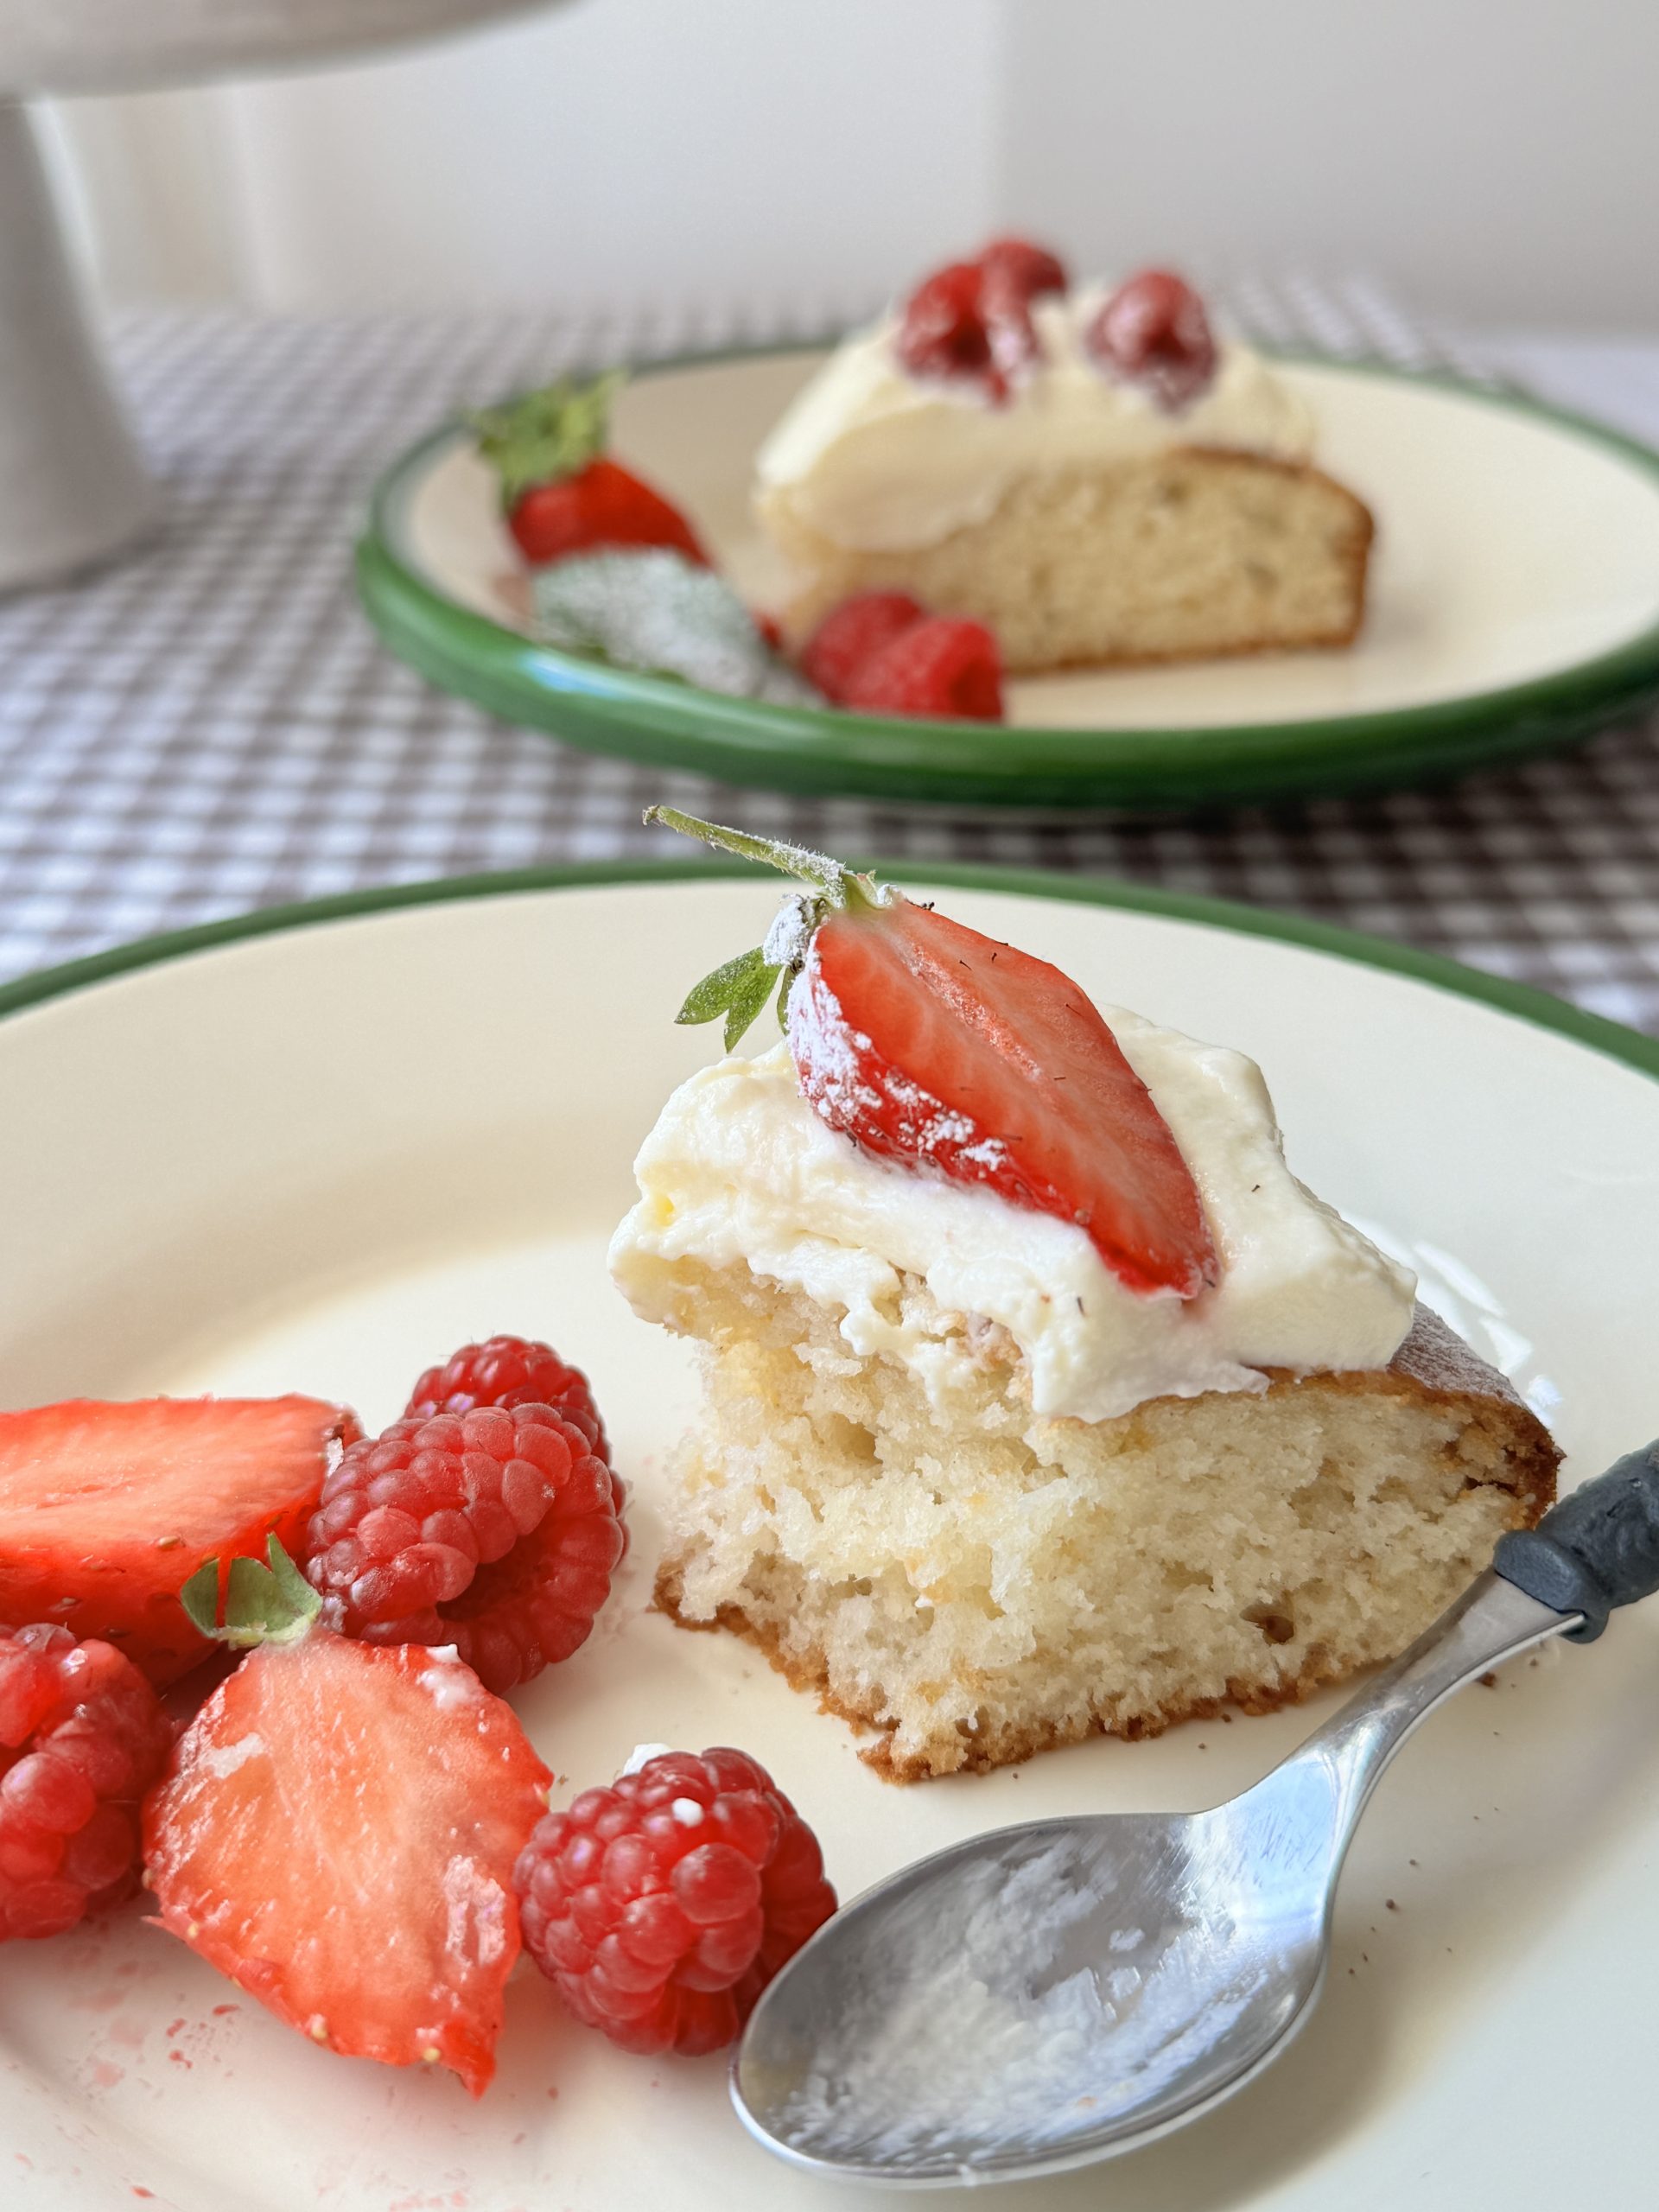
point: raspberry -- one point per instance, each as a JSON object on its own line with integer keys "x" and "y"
{"x": 944, "y": 331}
{"x": 1154, "y": 332}
{"x": 940, "y": 667}
{"x": 661, "y": 1908}
{"x": 851, "y": 632}
{"x": 1021, "y": 270}
{"x": 516, "y": 1371}
{"x": 508, "y": 1371}
{"x": 81, "y": 1739}
{"x": 495, "y": 1530}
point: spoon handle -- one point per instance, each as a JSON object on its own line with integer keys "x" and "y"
{"x": 1597, "y": 1550}
{"x": 1340, "y": 1764}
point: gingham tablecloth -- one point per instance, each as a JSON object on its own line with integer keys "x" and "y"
{"x": 213, "y": 727}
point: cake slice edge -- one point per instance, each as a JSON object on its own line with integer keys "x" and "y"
{"x": 1504, "y": 1463}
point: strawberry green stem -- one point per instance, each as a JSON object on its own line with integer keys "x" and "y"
{"x": 263, "y": 1604}
{"x": 843, "y": 886}
{"x": 546, "y": 436}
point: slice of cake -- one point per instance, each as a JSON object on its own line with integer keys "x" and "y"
{"x": 1096, "y": 477}
{"x": 1041, "y": 1399}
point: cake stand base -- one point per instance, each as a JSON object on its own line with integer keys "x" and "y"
{"x": 73, "y": 489}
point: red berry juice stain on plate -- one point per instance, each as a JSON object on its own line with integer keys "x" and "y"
{"x": 98, "y": 2000}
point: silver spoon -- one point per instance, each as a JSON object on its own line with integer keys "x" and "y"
{"x": 1057, "y": 1993}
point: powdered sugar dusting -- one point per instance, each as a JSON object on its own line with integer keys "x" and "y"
{"x": 475, "y": 1914}
{"x": 222, "y": 1759}
{"x": 787, "y": 940}
{"x": 640, "y": 1756}
{"x": 447, "y": 1682}
{"x": 852, "y": 1091}
{"x": 652, "y": 609}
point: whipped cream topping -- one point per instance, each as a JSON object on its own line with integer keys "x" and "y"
{"x": 877, "y": 460}
{"x": 739, "y": 1169}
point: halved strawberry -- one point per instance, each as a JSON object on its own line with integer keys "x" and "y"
{"x": 971, "y": 321}
{"x": 337, "y": 1831}
{"x": 933, "y": 1045}
{"x": 1154, "y": 331}
{"x": 106, "y": 1511}
{"x": 949, "y": 1052}
{"x": 560, "y": 492}
{"x": 602, "y": 504}
{"x": 1027, "y": 271}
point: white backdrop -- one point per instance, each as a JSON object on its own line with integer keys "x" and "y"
{"x": 1494, "y": 159}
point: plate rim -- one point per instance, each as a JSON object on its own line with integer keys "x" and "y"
{"x": 1524, "y": 1003}
{"x": 664, "y": 721}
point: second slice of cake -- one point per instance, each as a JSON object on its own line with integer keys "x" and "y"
{"x": 1097, "y": 477}
{"x": 1052, "y": 1404}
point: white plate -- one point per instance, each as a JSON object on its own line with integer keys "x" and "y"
{"x": 316, "y": 1157}
{"x": 1514, "y": 601}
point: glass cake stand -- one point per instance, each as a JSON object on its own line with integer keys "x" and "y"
{"x": 73, "y": 489}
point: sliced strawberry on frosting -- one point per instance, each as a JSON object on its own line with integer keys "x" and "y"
{"x": 1154, "y": 331}
{"x": 971, "y": 319}
{"x": 928, "y": 1042}
{"x": 948, "y": 1052}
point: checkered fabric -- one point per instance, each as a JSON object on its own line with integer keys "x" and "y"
{"x": 213, "y": 726}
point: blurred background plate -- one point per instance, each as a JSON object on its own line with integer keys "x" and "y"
{"x": 1514, "y": 606}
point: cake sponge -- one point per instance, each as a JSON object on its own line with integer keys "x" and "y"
{"x": 974, "y": 1584}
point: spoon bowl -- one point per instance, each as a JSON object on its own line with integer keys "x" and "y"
{"x": 1054, "y": 1993}
{"x": 1153, "y": 1975}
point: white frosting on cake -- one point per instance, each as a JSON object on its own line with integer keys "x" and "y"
{"x": 877, "y": 460}
{"x": 740, "y": 1169}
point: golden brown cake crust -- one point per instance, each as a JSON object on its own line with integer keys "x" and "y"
{"x": 1007, "y": 1747}
{"x": 1433, "y": 1365}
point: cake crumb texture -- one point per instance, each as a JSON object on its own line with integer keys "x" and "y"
{"x": 975, "y": 1583}
{"x": 1182, "y": 555}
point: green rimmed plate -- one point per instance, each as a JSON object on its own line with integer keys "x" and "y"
{"x": 314, "y": 1148}
{"x": 1514, "y": 606}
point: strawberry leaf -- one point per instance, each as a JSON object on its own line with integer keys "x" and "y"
{"x": 546, "y": 434}
{"x": 263, "y": 1604}
{"x": 200, "y": 1597}
{"x": 741, "y": 987}
{"x": 710, "y": 998}
{"x": 747, "y": 1000}
{"x": 738, "y": 988}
